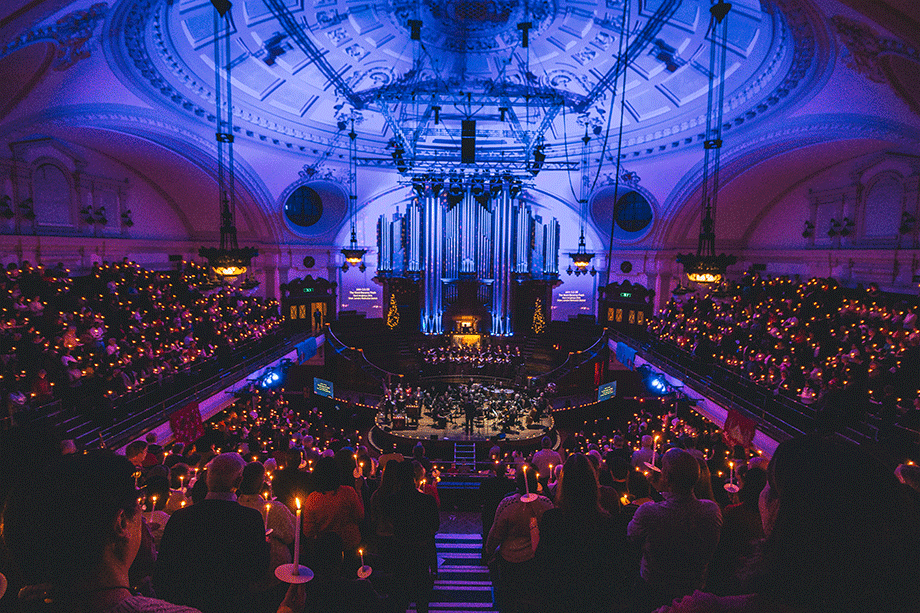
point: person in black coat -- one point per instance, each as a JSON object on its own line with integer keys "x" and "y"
{"x": 212, "y": 550}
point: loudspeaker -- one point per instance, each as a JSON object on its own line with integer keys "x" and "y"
{"x": 468, "y": 141}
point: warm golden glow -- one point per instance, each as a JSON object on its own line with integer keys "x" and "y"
{"x": 704, "y": 277}
{"x": 230, "y": 270}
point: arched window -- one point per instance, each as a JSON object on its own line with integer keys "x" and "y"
{"x": 51, "y": 196}
{"x": 882, "y": 214}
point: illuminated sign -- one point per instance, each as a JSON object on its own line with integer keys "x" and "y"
{"x": 321, "y": 387}
{"x": 362, "y": 293}
{"x": 625, "y": 294}
{"x": 606, "y": 391}
{"x": 307, "y": 290}
{"x": 571, "y": 296}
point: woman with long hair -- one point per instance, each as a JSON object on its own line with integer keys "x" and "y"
{"x": 842, "y": 536}
{"x": 581, "y": 552}
{"x": 333, "y": 507}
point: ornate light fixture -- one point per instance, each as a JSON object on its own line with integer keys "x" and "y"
{"x": 582, "y": 257}
{"x": 705, "y": 266}
{"x": 354, "y": 255}
{"x": 228, "y": 261}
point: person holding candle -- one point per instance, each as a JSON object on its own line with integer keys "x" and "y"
{"x": 277, "y": 518}
{"x": 512, "y": 541}
{"x": 212, "y": 551}
{"x": 333, "y": 507}
{"x": 829, "y": 546}
{"x": 73, "y": 530}
{"x": 678, "y": 536}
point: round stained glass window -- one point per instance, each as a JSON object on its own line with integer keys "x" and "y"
{"x": 632, "y": 212}
{"x": 304, "y": 207}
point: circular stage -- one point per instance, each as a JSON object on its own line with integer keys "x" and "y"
{"x": 484, "y": 429}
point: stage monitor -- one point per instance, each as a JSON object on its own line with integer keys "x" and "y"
{"x": 321, "y": 387}
{"x": 606, "y": 391}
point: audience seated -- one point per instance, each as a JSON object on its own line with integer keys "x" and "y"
{"x": 813, "y": 341}
{"x": 93, "y": 338}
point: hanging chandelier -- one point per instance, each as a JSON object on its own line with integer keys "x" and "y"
{"x": 704, "y": 266}
{"x": 354, "y": 254}
{"x": 581, "y": 258}
{"x": 229, "y": 261}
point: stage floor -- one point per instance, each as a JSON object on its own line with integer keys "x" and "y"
{"x": 485, "y": 430}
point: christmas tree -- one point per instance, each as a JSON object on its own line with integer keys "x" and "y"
{"x": 538, "y": 322}
{"x": 393, "y": 313}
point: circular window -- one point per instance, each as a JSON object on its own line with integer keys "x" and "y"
{"x": 632, "y": 212}
{"x": 304, "y": 207}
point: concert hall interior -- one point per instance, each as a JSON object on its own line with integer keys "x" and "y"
{"x": 479, "y": 234}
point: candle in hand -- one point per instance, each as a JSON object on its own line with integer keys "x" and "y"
{"x": 268, "y": 507}
{"x": 153, "y": 505}
{"x": 297, "y": 526}
{"x": 526, "y": 483}
{"x": 361, "y": 553}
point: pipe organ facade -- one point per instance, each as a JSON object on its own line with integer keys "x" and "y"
{"x": 461, "y": 230}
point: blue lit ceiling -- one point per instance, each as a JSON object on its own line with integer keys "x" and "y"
{"x": 283, "y": 96}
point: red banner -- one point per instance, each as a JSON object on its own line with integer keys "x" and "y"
{"x": 738, "y": 429}
{"x": 186, "y": 423}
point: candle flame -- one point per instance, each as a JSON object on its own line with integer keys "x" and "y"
{"x": 297, "y": 502}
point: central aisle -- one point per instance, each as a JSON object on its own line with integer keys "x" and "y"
{"x": 463, "y": 582}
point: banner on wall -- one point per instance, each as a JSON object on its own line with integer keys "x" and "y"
{"x": 186, "y": 423}
{"x": 738, "y": 429}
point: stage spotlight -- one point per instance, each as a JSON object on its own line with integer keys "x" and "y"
{"x": 270, "y": 379}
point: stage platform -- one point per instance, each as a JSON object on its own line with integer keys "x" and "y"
{"x": 485, "y": 430}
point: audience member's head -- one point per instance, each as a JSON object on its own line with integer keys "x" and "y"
{"x": 841, "y": 533}
{"x": 179, "y": 475}
{"x": 136, "y": 452}
{"x": 680, "y": 471}
{"x": 253, "y": 479}
{"x": 326, "y": 475}
{"x": 224, "y": 472}
{"x": 578, "y": 488}
{"x": 646, "y": 441}
{"x": 752, "y": 483}
{"x": 74, "y": 522}
{"x": 546, "y": 442}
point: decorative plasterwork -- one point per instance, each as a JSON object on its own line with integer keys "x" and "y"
{"x": 165, "y": 47}
{"x": 72, "y": 34}
{"x": 864, "y": 48}
{"x": 774, "y": 142}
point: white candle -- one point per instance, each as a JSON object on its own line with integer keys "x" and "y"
{"x": 526, "y": 484}
{"x": 361, "y": 553}
{"x": 654, "y": 449}
{"x": 297, "y": 526}
{"x": 268, "y": 506}
{"x": 731, "y": 477}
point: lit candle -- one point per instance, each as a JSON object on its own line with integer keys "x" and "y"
{"x": 153, "y": 506}
{"x": 361, "y": 553}
{"x": 654, "y": 449}
{"x": 526, "y": 483}
{"x": 268, "y": 507}
{"x": 297, "y": 528}
{"x": 731, "y": 478}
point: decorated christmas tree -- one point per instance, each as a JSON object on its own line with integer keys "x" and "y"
{"x": 539, "y": 324}
{"x": 392, "y": 313}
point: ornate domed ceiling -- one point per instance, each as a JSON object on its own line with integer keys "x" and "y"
{"x": 412, "y": 71}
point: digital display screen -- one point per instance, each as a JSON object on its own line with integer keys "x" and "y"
{"x": 606, "y": 391}
{"x": 321, "y": 387}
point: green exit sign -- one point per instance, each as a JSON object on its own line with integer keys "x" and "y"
{"x": 625, "y": 294}
{"x": 307, "y": 290}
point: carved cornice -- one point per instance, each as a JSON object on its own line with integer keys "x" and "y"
{"x": 73, "y": 34}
